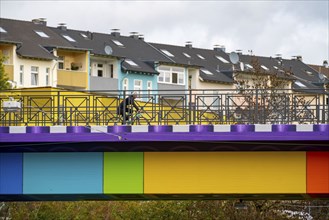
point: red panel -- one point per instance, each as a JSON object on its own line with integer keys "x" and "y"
{"x": 318, "y": 173}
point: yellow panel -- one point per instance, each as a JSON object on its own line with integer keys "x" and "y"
{"x": 72, "y": 78}
{"x": 9, "y": 70}
{"x": 225, "y": 172}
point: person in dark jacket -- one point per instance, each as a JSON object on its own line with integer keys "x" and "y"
{"x": 126, "y": 106}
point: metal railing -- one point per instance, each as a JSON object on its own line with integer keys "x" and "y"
{"x": 68, "y": 108}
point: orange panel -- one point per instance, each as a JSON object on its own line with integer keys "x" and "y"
{"x": 318, "y": 172}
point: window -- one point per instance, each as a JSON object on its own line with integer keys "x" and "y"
{"x": 248, "y": 66}
{"x": 67, "y": 37}
{"x": 125, "y": 84}
{"x": 47, "y": 76}
{"x": 275, "y": 67}
{"x": 118, "y": 43}
{"x": 100, "y": 70}
{"x": 21, "y": 74}
{"x": 2, "y": 30}
{"x": 188, "y": 56}
{"x": 264, "y": 67}
{"x": 6, "y": 54}
{"x": 42, "y": 34}
{"x": 130, "y": 62}
{"x": 201, "y": 57}
{"x": 83, "y": 35}
{"x": 138, "y": 86}
{"x": 171, "y": 75}
{"x": 34, "y": 75}
{"x": 222, "y": 59}
{"x": 298, "y": 83}
{"x": 149, "y": 88}
{"x": 167, "y": 52}
{"x": 207, "y": 72}
{"x": 111, "y": 70}
{"x": 60, "y": 62}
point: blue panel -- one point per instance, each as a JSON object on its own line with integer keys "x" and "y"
{"x": 58, "y": 173}
{"x": 11, "y": 173}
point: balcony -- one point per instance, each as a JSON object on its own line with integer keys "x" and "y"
{"x": 72, "y": 78}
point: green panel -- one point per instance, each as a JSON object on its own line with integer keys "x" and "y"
{"x": 123, "y": 172}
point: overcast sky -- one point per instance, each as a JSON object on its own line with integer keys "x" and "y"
{"x": 266, "y": 27}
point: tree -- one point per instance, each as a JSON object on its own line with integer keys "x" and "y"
{"x": 4, "y": 84}
{"x": 262, "y": 95}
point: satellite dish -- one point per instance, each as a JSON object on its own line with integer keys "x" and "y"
{"x": 241, "y": 66}
{"x": 234, "y": 57}
{"x": 108, "y": 50}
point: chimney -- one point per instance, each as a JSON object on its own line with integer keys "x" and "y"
{"x": 238, "y": 51}
{"x": 141, "y": 37}
{"x": 115, "y": 32}
{"x": 219, "y": 48}
{"x": 90, "y": 35}
{"x": 325, "y": 64}
{"x": 134, "y": 35}
{"x": 188, "y": 44}
{"x": 62, "y": 26}
{"x": 40, "y": 21}
{"x": 278, "y": 56}
{"x": 300, "y": 58}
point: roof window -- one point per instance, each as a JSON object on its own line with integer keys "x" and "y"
{"x": 298, "y": 83}
{"x": 2, "y": 30}
{"x": 167, "y": 53}
{"x": 187, "y": 55}
{"x": 130, "y": 62}
{"x": 42, "y": 34}
{"x": 264, "y": 67}
{"x": 118, "y": 43}
{"x": 309, "y": 73}
{"x": 248, "y": 66}
{"x": 222, "y": 59}
{"x": 83, "y": 35}
{"x": 67, "y": 37}
{"x": 207, "y": 72}
{"x": 275, "y": 67}
{"x": 201, "y": 57}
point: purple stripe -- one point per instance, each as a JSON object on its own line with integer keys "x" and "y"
{"x": 4, "y": 129}
{"x": 160, "y": 128}
{"x": 283, "y": 128}
{"x": 242, "y": 128}
{"x": 321, "y": 127}
{"x": 37, "y": 129}
{"x": 77, "y": 129}
{"x": 119, "y": 129}
{"x": 201, "y": 128}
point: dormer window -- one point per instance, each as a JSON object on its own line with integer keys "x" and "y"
{"x": 167, "y": 52}
{"x": 222, "y": 59}
{"x": 42, "y": 34}
{"x": 118, "y": 43}
{"x": 2, "y": 30}
{"x": 67, "y": 37}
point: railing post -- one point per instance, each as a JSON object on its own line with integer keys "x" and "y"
{"x": 58, "y": 108}
{"x": 124, "y": 107}
{"x": 190, "y": 107}
{"x": 256, "y": 113}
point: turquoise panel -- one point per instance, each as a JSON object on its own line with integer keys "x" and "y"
{"x": 55, "y": 173}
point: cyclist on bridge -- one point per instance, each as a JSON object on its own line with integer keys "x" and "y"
{"x": 125, "y": 109}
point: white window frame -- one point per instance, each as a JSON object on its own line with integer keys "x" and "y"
{"x": 42, "y": 34}
{"x": 34, "y": 75}
{"x": 118, "y": 43}
{"x": 98, "y": 68}
{"x": 167, "y": 53}
{"x": 60, "y": 60}
{"x": 138, "y": 87}
{"x": 21, "y": 74}
{"x": 69, "y": 38}
{"x": 222, "y": 59}
{"x": 125, "y": 84}
{"x": 131, "y": 63}
{"x": 166, "y": 75}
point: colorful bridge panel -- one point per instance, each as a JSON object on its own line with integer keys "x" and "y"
{"x": 318, "y": 173}
{"x": 225, "y": 172}
{"x": 11, "y": 173}
{"x": 123, "y": 172}
{"x": 63, "y": 173}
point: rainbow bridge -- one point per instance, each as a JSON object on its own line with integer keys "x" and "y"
{"x": 144, "y": 162}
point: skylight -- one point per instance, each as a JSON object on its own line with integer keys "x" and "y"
{"x": 118, "y": 43}
{"x": 275, "y": 67}
{"x": 264, "y": 67}
{"x": 2, "y": 30}
{"x": 67, "y": 37}
{"x": 207, "y": 72}
{"x": 298, "y": 83}
{"x": 188, "y": 56}
{"x": 248, "y": 66}
{"x": 167, "y": 53}
{"x": 222, "y": 59}
{"x": 201, "y": 57}
{"x": 83, "y": 35}
{"x": 42, "y": 34}
{"x": 309, "y": 73}
{"x": 131, "y": 63}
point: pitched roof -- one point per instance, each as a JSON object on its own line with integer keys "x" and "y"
{"x": 212, "y": 68}
{"x": 30, "y": 43}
